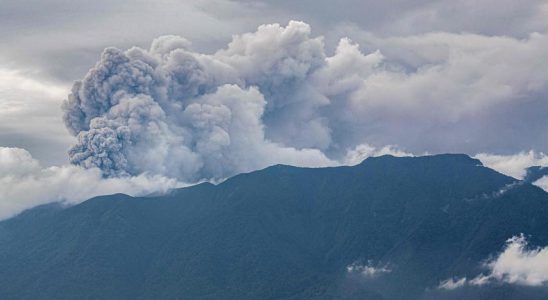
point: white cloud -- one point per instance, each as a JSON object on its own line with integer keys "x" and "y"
{"x": 363, "y": 151}
{"x": 542, "y": 183}
{"x": 452, "y": 283}
{"x": 513, "y": 165}
{"x": 443, "y": 91}
{"x": 519, "y": 265}
{"x": 57, "y": 41}
{"x": 516, "y": 264}
{"x": 368, "y": 270}
{"x": 24, "y": 183}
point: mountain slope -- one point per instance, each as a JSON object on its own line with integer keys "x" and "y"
{"x": 280, "y": 233}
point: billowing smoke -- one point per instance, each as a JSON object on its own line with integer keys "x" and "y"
{"x": 276, "y": 96}
{"x": 187, "y": 115}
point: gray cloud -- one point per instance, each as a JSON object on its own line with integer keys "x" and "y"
{"x": 56, "y": 41}
{"x": 275, "y": 95}
{"x": 59, "y": 39}
{"x": 400, "y": 17}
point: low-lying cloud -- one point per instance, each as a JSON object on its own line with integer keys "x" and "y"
{"x": 368, "y": 270}
{"x": 516, "y": 264}
{"x": 24, "y": 183}
{"x": 520, "y": 265}
{"x": 542, "y": 183}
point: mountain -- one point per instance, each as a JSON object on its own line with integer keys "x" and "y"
{"x": 535, "y": 173}
{"x": 282, "y": 233}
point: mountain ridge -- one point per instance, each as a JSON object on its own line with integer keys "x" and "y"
{"x": 280, "y": 233}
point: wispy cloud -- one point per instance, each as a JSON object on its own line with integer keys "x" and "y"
{"x": 452, "y": 283}
{"x": 369, "y": 270}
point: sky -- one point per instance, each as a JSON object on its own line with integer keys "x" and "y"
{"x": 132, "y": 95}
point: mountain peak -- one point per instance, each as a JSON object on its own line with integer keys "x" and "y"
{"x": 459, "y": 158}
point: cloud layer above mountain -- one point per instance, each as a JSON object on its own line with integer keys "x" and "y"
{"x": 366, "y": 79}
{"x": 276, "y": 96}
